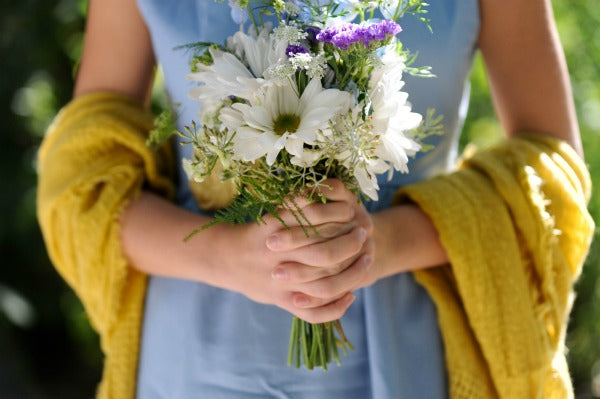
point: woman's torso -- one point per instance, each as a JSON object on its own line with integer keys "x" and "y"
{"x": 203, "y": 342}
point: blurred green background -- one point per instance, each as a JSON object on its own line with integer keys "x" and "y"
{"x": 47, "y": 348}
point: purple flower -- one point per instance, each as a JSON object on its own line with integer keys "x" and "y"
{"x": 342, "y": 36}
{"x": 312, "y": 33}
{"x": 294, "y": 49}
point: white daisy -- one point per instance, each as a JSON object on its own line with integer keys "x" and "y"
{"x": 282, "y": 119}
{"x": 392, "y": 117}
{"x": 239, "y": 72}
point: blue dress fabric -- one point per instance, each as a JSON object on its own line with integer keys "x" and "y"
{"x": 200, "y": 341}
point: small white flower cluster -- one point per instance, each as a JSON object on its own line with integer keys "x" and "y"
{"x": 209, "y": 112}
{"x": 314, "y": 65}
{"x": 289, "y": 33}
{"x": 281, "y": 72}
{"x": 291, "y": 8}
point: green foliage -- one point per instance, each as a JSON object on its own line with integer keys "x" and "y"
{"x": 432, "y": 125}
{"x": 164, "y": 128}
{"x": 200, "y": 53}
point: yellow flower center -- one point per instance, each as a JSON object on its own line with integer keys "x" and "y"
{"x": 286, "y": 123}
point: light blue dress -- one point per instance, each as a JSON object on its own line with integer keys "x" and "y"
{"x": 204, "y": 342}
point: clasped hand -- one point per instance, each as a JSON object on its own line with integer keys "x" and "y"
{"x": 311, "y": 276}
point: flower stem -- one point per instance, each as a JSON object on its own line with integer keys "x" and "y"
{"x": 293, "y": 339}
{"x": 316, "y": 345}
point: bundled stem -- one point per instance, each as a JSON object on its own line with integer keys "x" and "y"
{"x": 316, "y": 345}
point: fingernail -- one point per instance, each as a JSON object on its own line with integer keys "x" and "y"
{"x": 362, "y": 234}
{"x": 273, "y": 241}
{"x": 279, "y": 273}
{"x": 351, "y": 298}
{"x": 367, "y": 261}
{"x": 301, "y": 301}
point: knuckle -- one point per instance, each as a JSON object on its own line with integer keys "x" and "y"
{"x": 370, "y": 246}
{"x": 340, "y": 267}
{"x": 316, "y": 211}
{"x": 299, "y": 274}
{"x": 348, "y": 210}
{"x": 325, "y": 289}
{"x": 368, "y": 225}
{"x": 328, "y": 231}
{"x": 356, "y": 246}
{"x": 333, "y": 270}
{"x": 325, "y": 255}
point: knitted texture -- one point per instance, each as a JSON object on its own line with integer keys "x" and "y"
{"x": 92, "y": 162}
{"x": 514, "y": 223}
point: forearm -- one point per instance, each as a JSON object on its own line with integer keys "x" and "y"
{"x": 405, "y": 240}
{"x": 527, "y": 69}
{"x": 152, "y": 232}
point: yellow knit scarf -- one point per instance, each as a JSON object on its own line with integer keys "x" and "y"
{"x": 93, "y": 161}
{"x": 513, "y": 221}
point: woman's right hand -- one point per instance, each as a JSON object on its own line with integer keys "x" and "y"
{"x": 250, "y": 265}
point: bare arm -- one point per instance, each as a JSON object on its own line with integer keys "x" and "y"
{"x": 117, "y": 54}
{"x": 527, "y": 69}
{"x": 532, "y": 94}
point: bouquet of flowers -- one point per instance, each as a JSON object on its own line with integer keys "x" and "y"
{"x": 286, "y": 106}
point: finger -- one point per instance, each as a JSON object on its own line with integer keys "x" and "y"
{"x": 363, "y": 218}
{"x": 296, "y": 237}
{"x": 315, "y": 214}
{"x": 331, "y": 311}
{"x": 335, "y": 190}
{"x": 297, "y": 202}
{"x": 303, "y": 301}
{"x": 332, "y": 286}
{"x": 293, "y": 273}
{"x": 330, "y": 252}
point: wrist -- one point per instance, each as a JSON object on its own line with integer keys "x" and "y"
{"x": 152, "y": 237}
{"x": 226, "y": 254}
{"x": 405, "y": 240}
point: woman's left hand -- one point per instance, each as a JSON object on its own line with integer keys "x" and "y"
{"x": 317, "y": 281}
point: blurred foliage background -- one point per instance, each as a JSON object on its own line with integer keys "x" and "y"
{"x": 47, "y": 347}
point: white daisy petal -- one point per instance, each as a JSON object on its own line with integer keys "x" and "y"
{"x": 246, "y": 145}
{"x": 231, "y": 118}
{"x": 294, "y": 145}
{"x": 392, "y": 117}
{"x": 306, "y": 159}
{"x": 225, "y": 77}
{"x": 256, "y": 117}
{"x": 367, "y": 183}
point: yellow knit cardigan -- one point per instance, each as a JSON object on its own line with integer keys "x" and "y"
{"x": 513, "y": 220}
